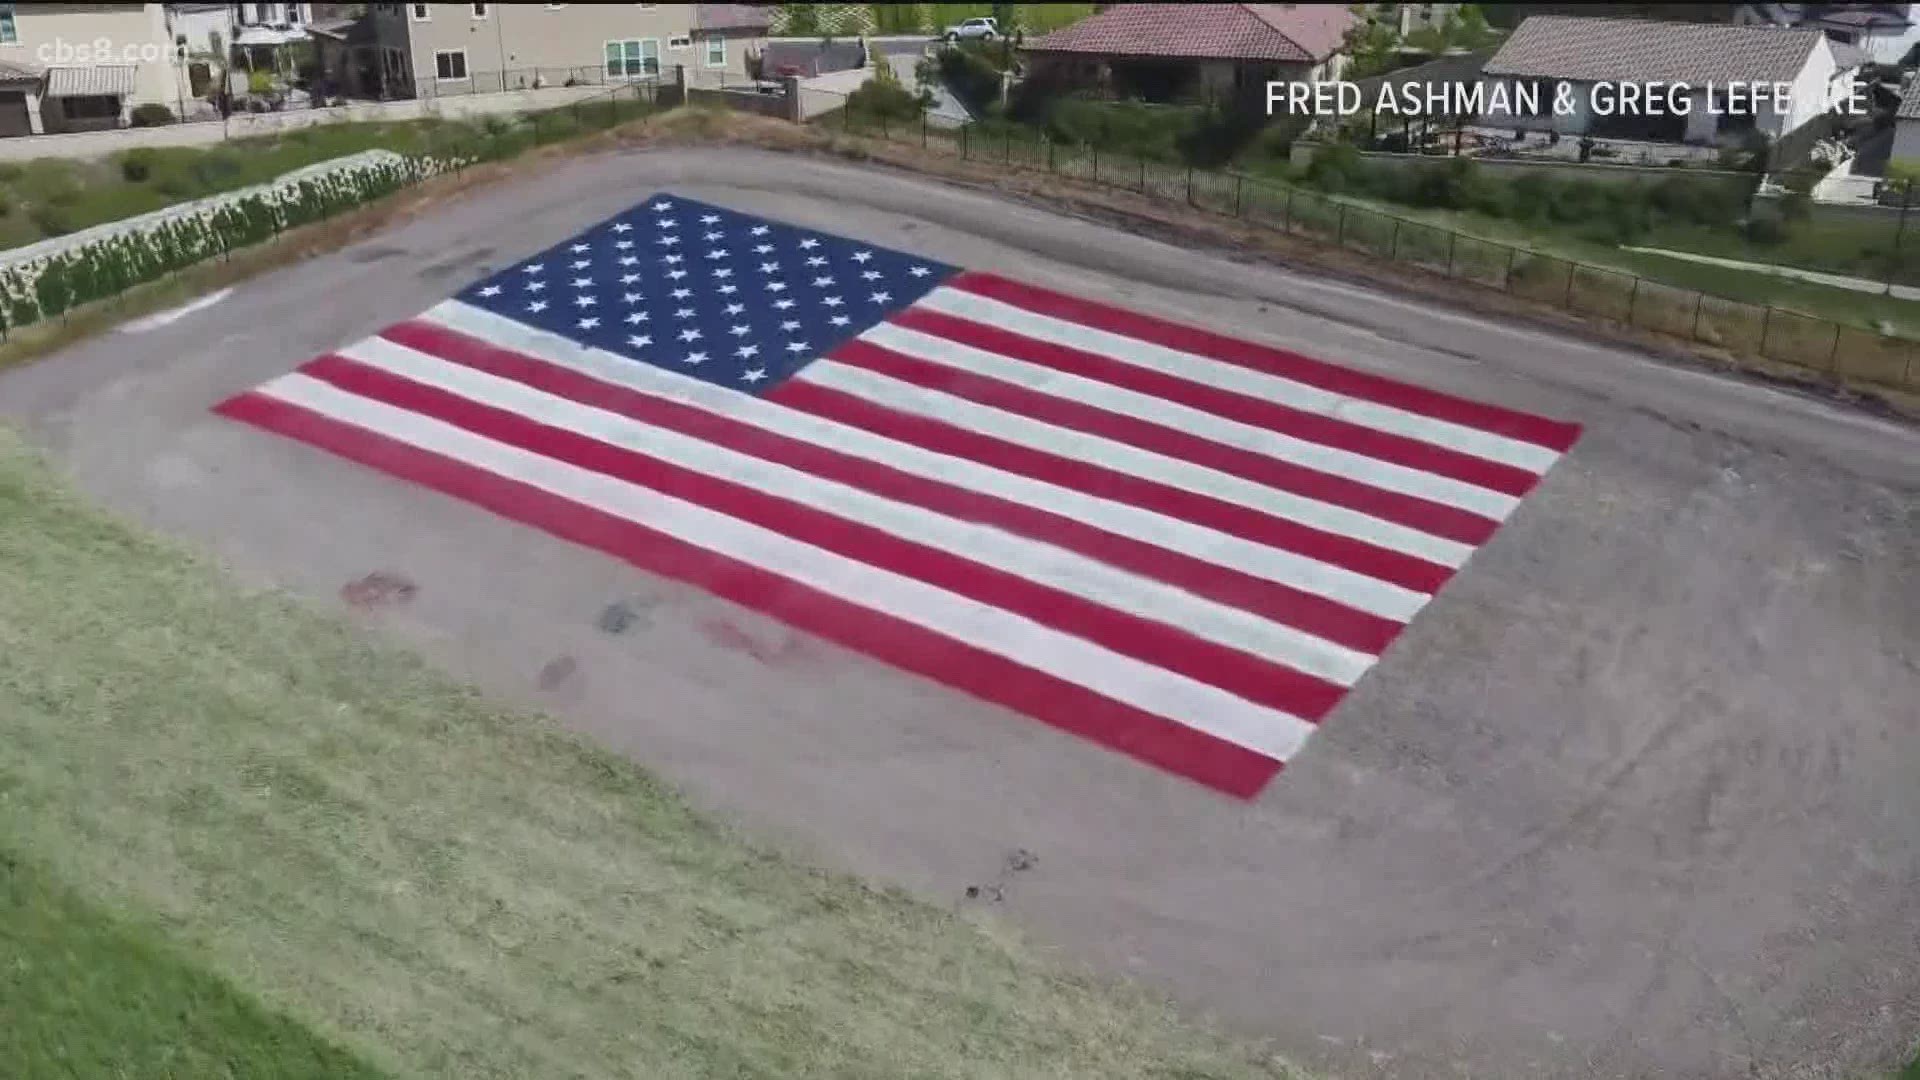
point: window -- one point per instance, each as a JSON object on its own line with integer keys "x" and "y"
{"x": 9, "y": 34}
{"x": 716, "y": 52}
{"x": 479, "y": 11}
{"x": 420, "y": 12}
{"x": 678, "y": 43}
{"x": 262, "y": 14}
{"x": 91, "y": 107}
{"x": 633, "y": 58}
{"x": 450, "y": 64}
{"x": 293, "y": 14}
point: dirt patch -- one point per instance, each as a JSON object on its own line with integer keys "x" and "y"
{"x": 379, "y": 589}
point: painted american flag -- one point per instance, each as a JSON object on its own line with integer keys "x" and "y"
{"x": 1181, "y": 545}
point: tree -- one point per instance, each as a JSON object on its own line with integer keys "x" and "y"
{"x": 1371, "y": 44}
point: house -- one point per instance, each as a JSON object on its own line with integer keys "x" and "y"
{"x": 1597, "y": 57}
{"x": 427, "y": 50}
{"x": 54, "y": 78}
{"x": 1166, "y": 52}
{"x": 1905, "y": 156}
{"x": 1883, "y": 33}
{"x": 1408, "y": 18}
{"x": 726, "y": 39}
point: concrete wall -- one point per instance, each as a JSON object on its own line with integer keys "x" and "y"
{"x": 1906, "y": 141}
{"x": 242, "y": 125}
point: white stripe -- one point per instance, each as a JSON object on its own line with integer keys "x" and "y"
{"x": 982, "y": 626}
{"x": 1045, "y": 564}
{"x": 1174, "y": 534}
{"x": 1349, "y": 587}
{"x": 1328, "y": 517}
{"x": 1202, "y": 369}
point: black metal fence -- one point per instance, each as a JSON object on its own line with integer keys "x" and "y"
{"x": 1810, "y": 342}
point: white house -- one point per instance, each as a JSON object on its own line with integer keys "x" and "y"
{"x": 1597, "y": 57}
{"x": 1883, "y": 33}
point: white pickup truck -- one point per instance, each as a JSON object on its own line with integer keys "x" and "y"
{"x": 972, "y": 30}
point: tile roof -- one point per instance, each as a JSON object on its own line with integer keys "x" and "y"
{"x": 1300, "y": 33}
{"x": 1585, "y": 49}
{"x": 731, "y": 17}
{"x": 1909, "y": 100}
{"x": 11, "y": 72}
{"x": 113, "y": 79}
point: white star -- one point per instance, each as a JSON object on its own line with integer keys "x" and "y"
{"x": 816, "y": 260}
{"x": 632, "y": 298}
{"x": 636, "y": 318}
{"x": 870, "y": 275}
{"x": 862, "y": 256}
{"x": 919, "y": 271}
{"x": 629, "y": 260}
{"x": 755, "y": 375}
{"x": 670, "y": 260}
{"x": 695, "y": 358}
{"x": 582, "y": 264}
{"x": 666, "y": 223}
{"x": 809, "y": 242}
{"x": 717, "y": 253}
{"x": 708, "y": 219}
{"x": 735, "y": 309}
{"x": 623, "y": 244}
{"x": 769, "y": 267}
{"x": 640, "y": 341}
{"x": 759, "y": 230}
{"x": 881, "y": 297}
{"x": 839, "y": 320}
{"x": 776, "y": 286}
{"x": 537, "y": 306}
{"x": 682, "y": 294}
{"x": 667, "y": 241}
{"x": 491, "y": 290}
{"x": 589, "y": 323}
{"x": 584, "y": 301}
{"x": 582, "y": 282}
{"x": 789, "y": 326}
{"x": 662, "y": 205}
{"x": 621, "y": 226}
{"x": 728, "y": 290}
{"x": 722, "y": 272}
{"x": 533, "y": 268}
{"x": 831, "y": 301}
{"x": 689, "y": 334}
{"x": 783, "y": 304}
{"x": 628, "y": 279}
{"x": 683, "y": 313}
{"x": 822, "y": 282}
{"x": 536, "y": 286}
{"x": 738, "y": 329}
{"x": 676, "y": 274}
{"x": 796, "y": 346}
{"x": 762, "y": 249}
{"x": 746, "y": 351}
{"x": 711, "y": 237}
{"x": 577, "y": 248}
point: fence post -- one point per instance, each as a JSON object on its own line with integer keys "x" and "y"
{"x": 1096, "y": 162}
{"x": 1698, "y": 297}
{"x": 963, "y": 141}
{"x": 1238, "y": 182}
{"x": 1286, "y": 218}
{"x": 1567, "y": 301}
{"x": 1766, "y": 321}
{"x": 1340, "y": 230}
{"x": 1049, "y": 155}
{"x": 883, "y": 125}
{"x": 1633, "y": 299}
{"x": 1393, "y": 244}
{"x": 1833, "y": 354}
{"x": 1506, "y": 283}
{"x": 1143, "y": 176}
{"x": 1453, "y": 240}
{"x": 1189, "y": 184}
{"x": 1009, "y": 144}
{"x": 923, "y": 129}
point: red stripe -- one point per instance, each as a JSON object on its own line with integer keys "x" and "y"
{"x": 1540, "y": 431}
{"x": 1462, "y": 525}
{"x": 1153, "y": 739}
{"x": 1272, "y": 530}
{"x": 1302, "y": 610}
{"x": 1250, "y": 677}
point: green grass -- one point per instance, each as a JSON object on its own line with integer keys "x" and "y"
{"x": 85, "y": 995}
{"x": 439, "y": 886}
{"x": 1912, "y": 1071}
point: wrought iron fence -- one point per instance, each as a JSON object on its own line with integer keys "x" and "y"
{"x": 1782, "y": 335}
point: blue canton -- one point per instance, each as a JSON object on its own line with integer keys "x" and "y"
{"x": 722, "y": 296}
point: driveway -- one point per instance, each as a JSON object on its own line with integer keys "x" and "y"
{"x": 1634, "y": 796}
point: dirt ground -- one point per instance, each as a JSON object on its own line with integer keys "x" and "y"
{"x": 1633, "y": 796}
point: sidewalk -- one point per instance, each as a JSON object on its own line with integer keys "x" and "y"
{"x": 1839, "y": 281}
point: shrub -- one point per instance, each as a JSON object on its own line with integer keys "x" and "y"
{"x": 53, "y": 220}
{"x": 151, "y": 114}
{"x": 971, "y": 75}
{"x": 136, "y": 166}
{"x": 1335, "y": 168}
{"x": 1766, "y": 231}
{"x": 885, "y": 99}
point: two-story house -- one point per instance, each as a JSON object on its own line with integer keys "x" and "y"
{"x": 428, "y": 50}
{"x": 84, "y": 67}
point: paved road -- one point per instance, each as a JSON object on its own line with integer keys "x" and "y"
{"x": 1634, "y": 795}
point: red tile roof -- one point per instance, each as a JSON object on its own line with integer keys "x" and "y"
{"x": 1300, "y": 33}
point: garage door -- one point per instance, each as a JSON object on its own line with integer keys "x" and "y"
{"x": 13, "y": 114}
